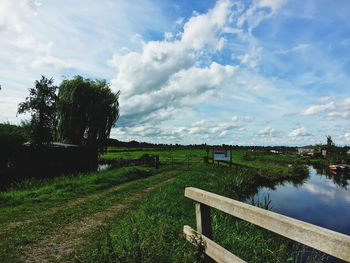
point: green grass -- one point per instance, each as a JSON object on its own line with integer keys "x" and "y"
{"x": 32, "y": 196}
{"x": 165, "y": 155}
{"x": 152, "y": 231}
{"x": 14, "y": 241}
{"x": 149, "y": 230}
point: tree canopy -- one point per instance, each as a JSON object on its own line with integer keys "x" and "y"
{"x": 87, "y": 110}
{"x": 41, "y": 103}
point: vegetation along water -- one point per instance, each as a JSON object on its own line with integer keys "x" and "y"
{"x": 136, "y": 213}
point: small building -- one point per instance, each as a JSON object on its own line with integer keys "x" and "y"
{"x": 306, "y": 150}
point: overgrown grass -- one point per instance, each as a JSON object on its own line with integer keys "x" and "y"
{"x": 152, "y": 231}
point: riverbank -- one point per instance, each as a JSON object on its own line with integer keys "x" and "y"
{"x": 135, "y": 214}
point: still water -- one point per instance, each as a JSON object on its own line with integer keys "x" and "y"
{"x": 322, "y": 199}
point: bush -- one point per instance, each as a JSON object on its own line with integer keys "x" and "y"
{"x": 11, "y": 138}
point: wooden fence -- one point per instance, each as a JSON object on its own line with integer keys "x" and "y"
{"x": 322, "y": 239}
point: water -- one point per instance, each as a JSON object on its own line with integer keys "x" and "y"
{"x": 322, "y": 199}
{"x": 103, "y": 167}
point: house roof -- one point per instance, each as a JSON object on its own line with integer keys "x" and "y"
{"x": 307, "y": 147}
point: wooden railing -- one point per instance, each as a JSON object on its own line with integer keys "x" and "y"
{"x": 322, "y": 239}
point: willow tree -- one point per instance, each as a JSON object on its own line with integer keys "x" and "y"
{"x": 87, "y": 111}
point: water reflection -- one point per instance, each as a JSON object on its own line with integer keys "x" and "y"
{"x": 321, "y": 199}
{"x": 340, "y": 178}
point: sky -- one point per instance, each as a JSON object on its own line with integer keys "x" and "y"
{"x": 261, "y": 72}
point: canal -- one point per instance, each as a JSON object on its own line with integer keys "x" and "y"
{"x": 322, "y": 199}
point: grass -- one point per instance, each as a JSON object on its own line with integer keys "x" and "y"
{"x": 32, "y": 196}
{"x": 16, "y": 240}
{"x": 151, "y": 230}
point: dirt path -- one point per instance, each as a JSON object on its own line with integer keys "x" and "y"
{"x": 64, "y": 241}
{"x": 66, "y": 206}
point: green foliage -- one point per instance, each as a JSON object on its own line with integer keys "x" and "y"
{"x": 11, "y": 138}
{"x": 87, "y": 110}
{"x": 41, "y": 103}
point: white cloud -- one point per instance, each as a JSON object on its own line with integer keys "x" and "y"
{"x": 248, "y": 118}
{"x": 268, "y": 132}
{"x": 347, "y": 136}
{"x": 255, "y": 14}
{"x": 168, "y": 36}
{"x": 273, "y": 4}
{"x": 315, "y": 109}
{"x": 49, "y": 62}
{"x": 165, "y": 76}
{"x": 14, "y": 15}
{"x": 204, "y": 30}
{"x": 338, "y": 115}
{"x": 326, "y": 99}
{"x": 300, "y": 47}
{"x": 252, "y": 58}
{"x": 180, "y": 21}
{"x": 346, "y": 104}
{"x": 297, "y": 132}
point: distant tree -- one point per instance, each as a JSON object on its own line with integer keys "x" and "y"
{"x": 330, "y": 143}
{"x": 87, "y": 110}
{"x": 41, "y": 103}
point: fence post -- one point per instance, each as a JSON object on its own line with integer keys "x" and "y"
{"x": 204, "y": 224}
{"x": 156, "y": 161}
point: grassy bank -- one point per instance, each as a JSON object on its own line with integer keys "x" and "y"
{"x": 148, "y": 229}
{"x": 152, "y": 230}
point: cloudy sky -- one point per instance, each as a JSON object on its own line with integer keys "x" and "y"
{"x": 264, "y": 72}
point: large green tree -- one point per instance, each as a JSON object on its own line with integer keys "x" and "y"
{"x": 87, "y": 110}
{"x": 41, "y": 103}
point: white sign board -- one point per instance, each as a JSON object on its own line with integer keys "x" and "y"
{"x": 222, "y": 155}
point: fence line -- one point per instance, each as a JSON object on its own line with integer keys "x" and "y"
{"x": 322, "y": 239}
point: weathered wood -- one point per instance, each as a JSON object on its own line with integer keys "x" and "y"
{"x": 203, "y": 220}
{"x": 204, "y": 224}
{"x": 322, "y": 239}
{"x": 212, "y": 249}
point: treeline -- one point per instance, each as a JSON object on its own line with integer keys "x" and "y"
{"x": 133, "y": 143}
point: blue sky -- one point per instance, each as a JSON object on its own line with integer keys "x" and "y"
{"x": 264, "y": 72}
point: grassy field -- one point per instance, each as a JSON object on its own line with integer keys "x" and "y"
{"x": 136, "y": 214}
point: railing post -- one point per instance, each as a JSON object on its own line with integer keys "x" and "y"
{"x": 204, "y": 225}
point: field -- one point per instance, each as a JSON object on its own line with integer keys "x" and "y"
{"x": 136, "y": 214}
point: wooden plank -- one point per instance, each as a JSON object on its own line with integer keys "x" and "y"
{"x": 204, "y": 224}
{"x": 212, "y": 249}
{"x": 322, "y": 239}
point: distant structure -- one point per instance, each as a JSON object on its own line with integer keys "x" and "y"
{"x": 305, "y": 150}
